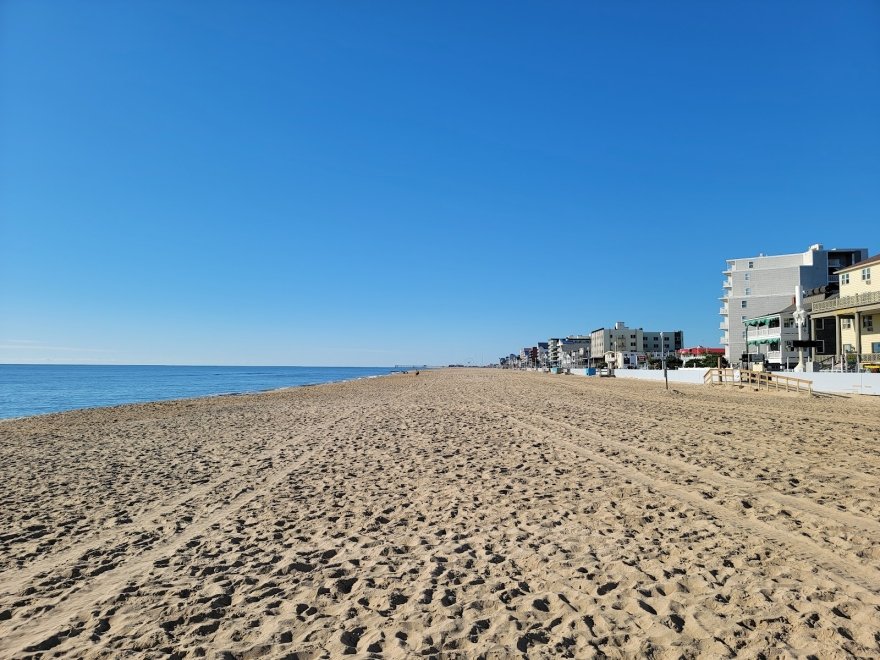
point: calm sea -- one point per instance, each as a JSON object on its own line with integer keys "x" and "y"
{"x": 35, "y": 389}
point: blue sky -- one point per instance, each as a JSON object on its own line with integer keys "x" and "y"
{"x": 397, "y": 182}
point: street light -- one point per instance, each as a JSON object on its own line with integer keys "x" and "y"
{"x": 800, "y": 316}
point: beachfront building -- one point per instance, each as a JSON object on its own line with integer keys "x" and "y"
{"x": 762, "y": 285}
{"x": 529, "y": 356}
{"x": 853, "y": 314}
{"x": 542, "y": 353}
{"x": 770, "y": 336}
{"x": 621, "y": 339}
{"x": 553, "y": 345}
{"x": 575, "y": 351}
{"x": 659, "y": 344}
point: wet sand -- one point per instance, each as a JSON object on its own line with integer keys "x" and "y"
{"x": 460, "y": 513}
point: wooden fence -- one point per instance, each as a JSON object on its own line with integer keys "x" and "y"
{"x": 761, "y": 379}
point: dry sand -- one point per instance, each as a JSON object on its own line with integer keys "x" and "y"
{"x": 459, "y": 513}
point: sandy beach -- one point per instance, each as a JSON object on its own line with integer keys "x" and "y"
{"x": 460, "y": 513}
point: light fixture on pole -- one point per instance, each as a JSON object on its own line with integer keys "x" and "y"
{"x": 800, "y": 317}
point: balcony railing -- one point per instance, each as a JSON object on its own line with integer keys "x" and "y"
{"x": 723, "y": 325}
{"x": 855, "y": 300}
{"x": 723, "y": 311}
{"x": 765, "y": 332}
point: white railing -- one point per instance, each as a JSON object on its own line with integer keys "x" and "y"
{"x": 765, "y": 332}
{"x": 855, "y": 300}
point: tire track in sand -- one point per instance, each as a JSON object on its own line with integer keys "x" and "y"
{"x": 858, "y": 575}
{"x": 55, "y": 621}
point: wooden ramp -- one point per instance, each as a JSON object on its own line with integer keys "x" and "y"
{"x": 762, "y": 380}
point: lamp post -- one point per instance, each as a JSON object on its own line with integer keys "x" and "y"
{"x": 800, "y": 316}
{"x": 748, "y": 355}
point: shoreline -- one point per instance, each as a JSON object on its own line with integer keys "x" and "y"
{"x": 200, "y": 396}
{"x": 465, "y": 512}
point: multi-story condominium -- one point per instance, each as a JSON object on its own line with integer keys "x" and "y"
{"x": 854, "y": 314}
{"x": 757, "y": 286}
{"x": 662, "y": 343}
{"x": 553, "y": 357}
{"x": 621, "y": 339}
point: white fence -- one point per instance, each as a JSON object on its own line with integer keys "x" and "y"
{"x": 829, "y": 382}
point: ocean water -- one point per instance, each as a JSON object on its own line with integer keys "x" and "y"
{"x": 27, "y": 389}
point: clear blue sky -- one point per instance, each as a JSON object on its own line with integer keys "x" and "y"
{"x": 358, "y": 183}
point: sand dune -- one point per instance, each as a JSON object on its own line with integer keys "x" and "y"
{"x": 460, "y": 513}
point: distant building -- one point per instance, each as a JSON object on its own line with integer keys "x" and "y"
{"x": 698, "y": 353}
{"x": 762, "y": 285}
{"x": 543, "y": 353}
{"x": 553, "y": 357}
{"x": 621, "y": 339}
{"x": 575, "y": 351}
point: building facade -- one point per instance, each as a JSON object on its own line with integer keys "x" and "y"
{"x": 762, "y": 285}
{"x": 621, "y": 339}
{"x": 854, "y": 314}
{"x": 553, "y": 356}
{"x": 575, "y": 351}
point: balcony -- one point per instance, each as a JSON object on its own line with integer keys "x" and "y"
{"x": 723, "y": 311}
{"x": 765, "y": 332}
{"x": 723, "y": 341}
{"x": 724, "y": 325}
{"x": 857, "y": 300}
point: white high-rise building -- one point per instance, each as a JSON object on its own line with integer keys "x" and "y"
{"x": 754, "y": 286}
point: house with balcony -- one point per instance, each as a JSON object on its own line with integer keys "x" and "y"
{"x": 854, "y": 314}
{"x": 769, "y": 338}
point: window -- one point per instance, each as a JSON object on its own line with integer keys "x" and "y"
{"x": 751, "y": 264}
{"x": 866, "y": 274}
{"x": 747, "y": 277}
{"x": 748, "y": 291}
{"x": 788, "y": 323}
{"x": 820, "y": 324}
{"x": 849, "y": 348}
{"x": 745, "y": 303}
{"x": 844, "y": 279}
{"x": 820, "y": 349}
{"x": 868, "y": 323}
{"x": 846, "y": 324}
{"x": 875, "y": 346}
{"x": 743, "y": 317}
